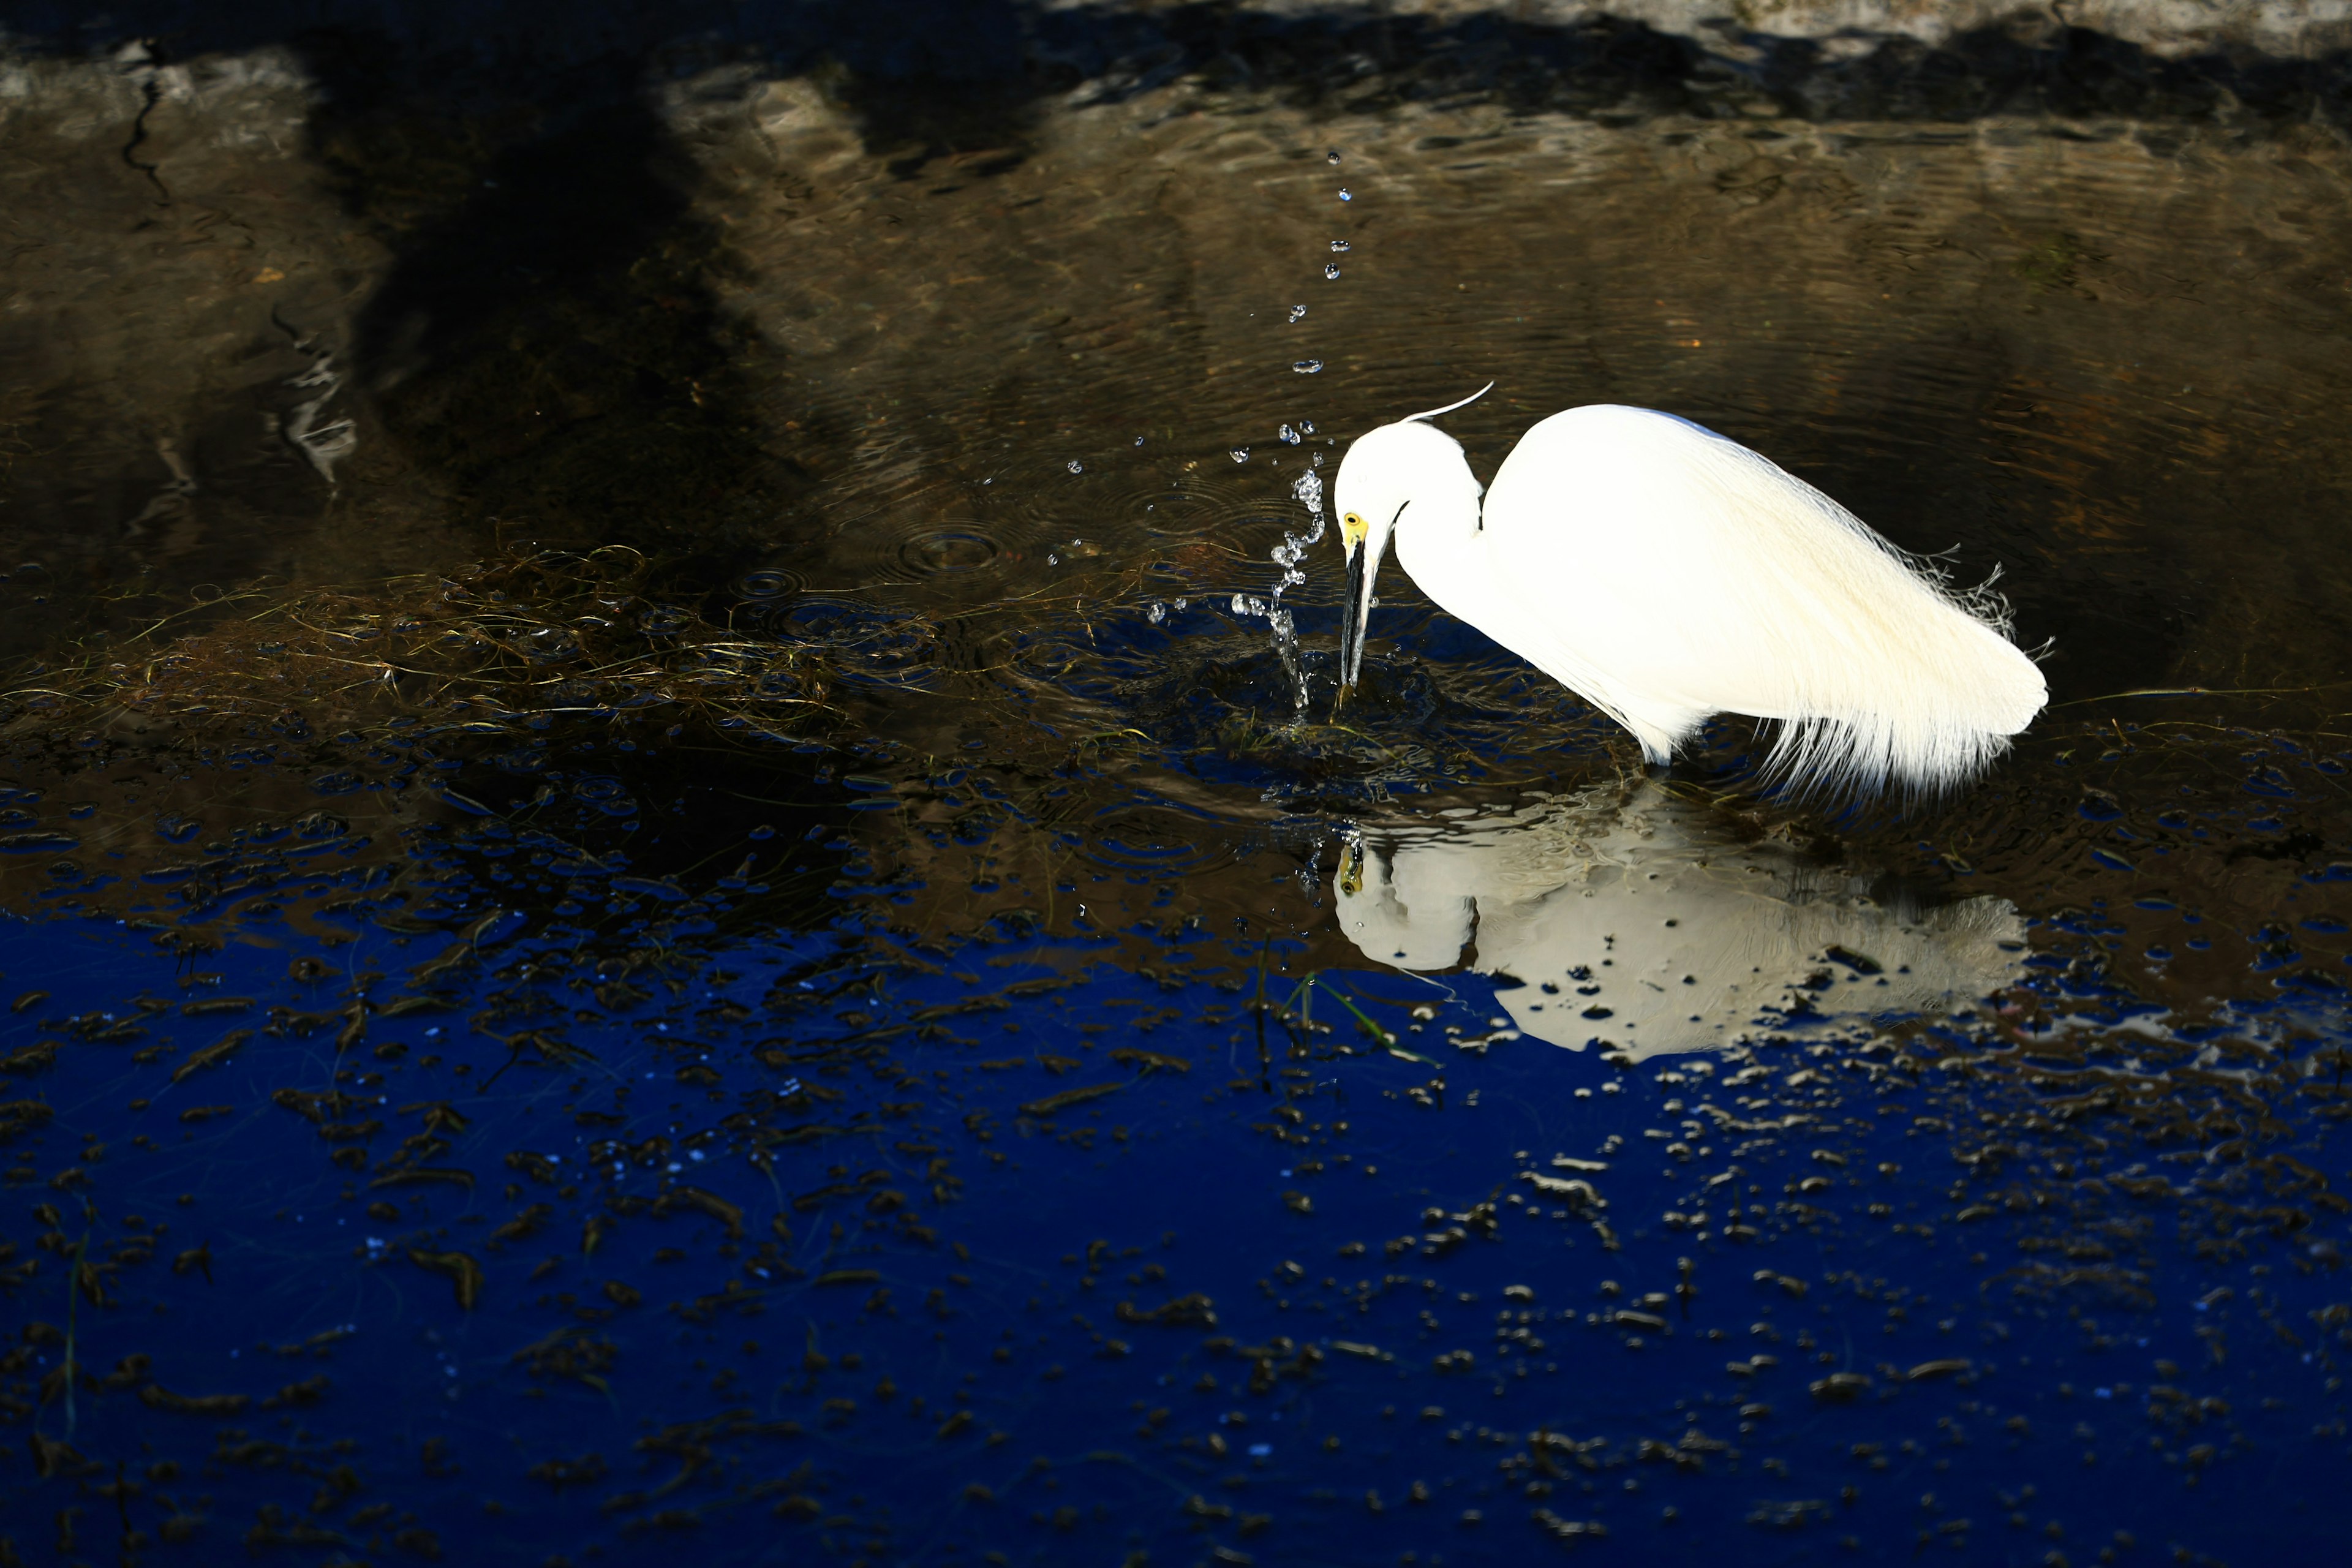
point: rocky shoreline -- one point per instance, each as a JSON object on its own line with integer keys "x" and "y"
{"x": 970, "y": 41}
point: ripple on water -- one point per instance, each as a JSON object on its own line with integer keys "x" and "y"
{"x": 946, "y": 538}
{"x": 947, "y": 552}
{"x": 869, "y": 644}
{"x": 764, "y": 584}
{"x": 1135, "y": 497}
{"x": 1211, "y": 690}
{"x": 1153, "y": 843}
{"x": 1179, "y": 503}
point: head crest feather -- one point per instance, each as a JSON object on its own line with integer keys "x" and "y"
{"x": 1450, "y": 407}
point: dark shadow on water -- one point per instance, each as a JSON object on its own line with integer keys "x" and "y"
{"x": 546, "y": 347}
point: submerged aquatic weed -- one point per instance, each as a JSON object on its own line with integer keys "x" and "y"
{"x": 530, "y": 636}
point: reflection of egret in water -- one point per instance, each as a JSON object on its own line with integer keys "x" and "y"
{"x": 1634, "y": 926}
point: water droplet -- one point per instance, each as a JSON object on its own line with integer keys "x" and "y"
{"x": 1180, "y": 603}
{"x": 1344, "y": 196}
{"x": 1289, "y": 436}
{"x": 1306, "y": 427}
{"x": 1158, "y": 614}
{"x": 1139, "y": 440}
{"x": 1306, "y": 366}
{"x": 1053, "y": 561}
{"x": 1241, "y": 454}
{"x": 1297, "y": 312}
{"x": 1332, "y": 270}
{"x": 1077, "y": 467}
{"x": 1308, "y": 489}
{"x": 1331, "y": 157}
{"x": 1341, "y": 245}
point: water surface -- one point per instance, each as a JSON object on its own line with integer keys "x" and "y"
{"x": 670, "y": 893}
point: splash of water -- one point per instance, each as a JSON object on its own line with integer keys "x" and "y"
{"x": 1308, "y": 490}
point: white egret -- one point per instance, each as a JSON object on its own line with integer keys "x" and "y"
{"x": 1663, "y": 573}
{"x": 1636, "y": 924}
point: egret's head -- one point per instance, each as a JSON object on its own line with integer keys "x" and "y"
{"x": 1387, "y": 473}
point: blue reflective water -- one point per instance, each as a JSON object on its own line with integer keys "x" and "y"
{"x": 834, "y": 1244}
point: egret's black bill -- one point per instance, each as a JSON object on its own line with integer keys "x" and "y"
{"x": 1352, "y": 615}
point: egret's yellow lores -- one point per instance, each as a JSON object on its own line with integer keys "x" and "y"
{"x": 1664, "y": 573}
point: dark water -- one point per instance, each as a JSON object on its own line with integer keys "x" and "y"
{"x": 668, "y": 895}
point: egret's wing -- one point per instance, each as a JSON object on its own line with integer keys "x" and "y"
{"x": 1668, "y": 574}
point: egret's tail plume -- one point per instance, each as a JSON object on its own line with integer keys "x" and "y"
{"x": 1860, "y": 758}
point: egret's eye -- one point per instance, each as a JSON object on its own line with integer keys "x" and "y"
{"x": 1351, "y": 528}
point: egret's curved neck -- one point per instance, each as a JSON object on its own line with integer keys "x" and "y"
{"x": 1438, "y": 543}
{"x": 1449, "y": 515}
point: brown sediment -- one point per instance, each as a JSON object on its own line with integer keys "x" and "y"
{"x": 464, "y": 1272}
{"x": 1067, "y": 1098}
{"x": 157, "y": 1397}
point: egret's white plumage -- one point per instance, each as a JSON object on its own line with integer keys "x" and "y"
{"x": 1664, "y": 573}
